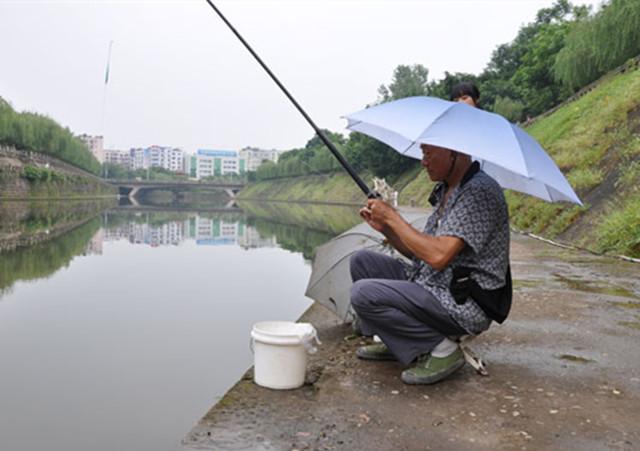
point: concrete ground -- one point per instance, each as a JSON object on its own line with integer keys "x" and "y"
{"x": 564, "y": 375}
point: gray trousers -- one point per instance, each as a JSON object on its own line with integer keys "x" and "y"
{"x": 406, "y": 317}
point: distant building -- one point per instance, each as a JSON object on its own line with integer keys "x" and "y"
{"x": 95, "y": 145}
{"x": 191, "y": 165}
{"x": 255, "y": 157}
{"x": 120, "y": 157}
{"x": 218, "y": 162}
{"x": 139, "y": 159}
{"x": 168, "y": 158}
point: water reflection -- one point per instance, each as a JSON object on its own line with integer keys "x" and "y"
{"x": 156, "y": 229}
{"x": 39, "y": 238}
{"x": 122, "y": 327}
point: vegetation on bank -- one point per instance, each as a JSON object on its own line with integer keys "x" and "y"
{"x": 39, "y": 133}
{"x": 598, "y": 43}
{"x": 31, "y": 182}
{"x": 595, "y": 141}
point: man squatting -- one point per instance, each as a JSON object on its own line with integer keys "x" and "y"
{"x": 458, "y": 280}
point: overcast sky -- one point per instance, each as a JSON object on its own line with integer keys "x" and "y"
{"x": 180, "y": 78}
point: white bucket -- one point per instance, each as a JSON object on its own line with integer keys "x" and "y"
{"x": 280, "y": 353}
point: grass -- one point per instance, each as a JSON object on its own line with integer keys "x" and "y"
{"x": 331, "y": 188}
{"x": 619, "y": 228}
{"x": 590, "y": 139}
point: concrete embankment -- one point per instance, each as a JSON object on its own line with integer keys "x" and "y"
{"x": 33, "y": 175}
{"x": 564, "y": 374}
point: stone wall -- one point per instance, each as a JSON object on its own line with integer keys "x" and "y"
{"x": 69, "y": 181}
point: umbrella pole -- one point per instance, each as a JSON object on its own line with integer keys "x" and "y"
{"x": 356, "y": 178}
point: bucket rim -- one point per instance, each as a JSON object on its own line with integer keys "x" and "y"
{"x": 262, "y": 328}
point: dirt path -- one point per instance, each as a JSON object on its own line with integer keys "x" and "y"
{"x": 564, "y": 374}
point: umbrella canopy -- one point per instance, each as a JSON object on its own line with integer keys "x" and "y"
{"x": 506, "y": 152}
{"x": 330, "y": 280}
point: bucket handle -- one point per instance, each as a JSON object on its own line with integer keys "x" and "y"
{"x": 310, "y": 340}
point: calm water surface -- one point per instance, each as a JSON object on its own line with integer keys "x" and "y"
{"x": 121, "y": 333}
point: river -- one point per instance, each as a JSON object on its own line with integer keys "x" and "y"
{"x": 119, "y": 327}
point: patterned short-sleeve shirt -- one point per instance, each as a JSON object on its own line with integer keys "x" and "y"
{"x": 475, "y": 212}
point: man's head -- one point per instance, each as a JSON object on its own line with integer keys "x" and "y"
{"x": 437, "y": 161}
{"x": 466, "y": 92}
{"x": 443, "y": 164}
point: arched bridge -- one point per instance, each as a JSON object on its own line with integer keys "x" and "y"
{"x": 131, "y": 187}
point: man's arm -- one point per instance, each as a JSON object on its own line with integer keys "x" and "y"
{"x": 388, "y": 233}
{"x": 437, "y": 251}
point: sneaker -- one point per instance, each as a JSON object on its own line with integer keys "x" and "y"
{"x": 376, "y": 351}
{"x": 429, "y": 369}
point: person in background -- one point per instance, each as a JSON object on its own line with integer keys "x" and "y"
{"x": 467, "y": 93}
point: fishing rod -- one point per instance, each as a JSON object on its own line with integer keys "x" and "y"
{"x": 327, "y": 142}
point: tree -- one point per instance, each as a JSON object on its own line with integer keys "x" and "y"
{"x": 521, "y": 70}
{"x": 509, "y": 108}
{"x": 534, "y": 78}
{"x": 599, "y": 43}
{"x": 407, "y": 81}
{"x": 442, "y": 88}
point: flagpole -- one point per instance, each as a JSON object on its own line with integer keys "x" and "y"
{"x": 104, "y": 93}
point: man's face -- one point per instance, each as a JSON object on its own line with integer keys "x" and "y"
{"x": 466, "y": 99}
{"x": 437, "y": 161}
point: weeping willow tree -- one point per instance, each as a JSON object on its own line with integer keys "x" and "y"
{"x": 599, "y": 43}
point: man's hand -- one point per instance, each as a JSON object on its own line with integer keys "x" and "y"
{"x": 437, "y": 251}
{"x": 378, "y": 213}
{"x": 365, "y": 213}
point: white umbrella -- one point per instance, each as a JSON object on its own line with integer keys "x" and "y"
{"x": 330, "y": 281}
{"x": 507, "y": 153}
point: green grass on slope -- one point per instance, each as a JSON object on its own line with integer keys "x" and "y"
{"x": 333, "y": 188}
{"x": 595, "y": 141}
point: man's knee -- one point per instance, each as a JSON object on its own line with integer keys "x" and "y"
{"x": 358, "y": 264}
{"x": 361, "y": 295}
{"x": 357, "y": 296}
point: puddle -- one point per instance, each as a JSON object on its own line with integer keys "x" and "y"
{"x": 574, "y": 358}
{"x": 594, "y": 287}
{"x": 629, "y": 324}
